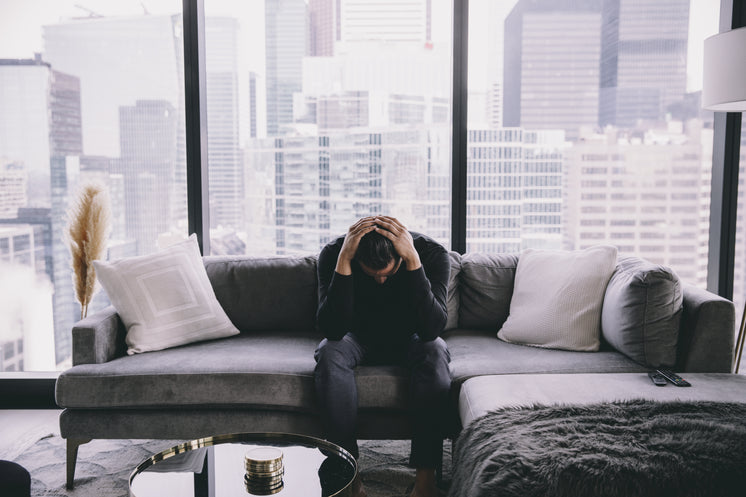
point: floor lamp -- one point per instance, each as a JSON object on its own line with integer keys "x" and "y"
{"x": 724, "y": 90}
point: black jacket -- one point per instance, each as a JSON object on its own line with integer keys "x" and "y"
{"x": 408, "y": 302}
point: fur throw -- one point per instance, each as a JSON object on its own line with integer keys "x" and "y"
{"x": 628, "y": 449}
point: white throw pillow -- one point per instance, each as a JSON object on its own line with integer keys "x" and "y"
{"x": 557, "y": 298}
{"x": 164, "y": 299}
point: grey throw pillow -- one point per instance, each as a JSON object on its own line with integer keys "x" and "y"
{"x": 452, "y": 304}
{"x": 641, "y": 312}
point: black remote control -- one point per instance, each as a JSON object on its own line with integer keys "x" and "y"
{"x": 674, "y": 378}
{"x": 658, "y": 379}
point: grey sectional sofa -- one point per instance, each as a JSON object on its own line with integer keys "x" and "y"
{"x": 262, "y": 379}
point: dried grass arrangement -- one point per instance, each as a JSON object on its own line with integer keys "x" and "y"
{"x": 88, "y": 227}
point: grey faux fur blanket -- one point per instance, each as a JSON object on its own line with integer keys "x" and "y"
{"x": 626, "y": 449}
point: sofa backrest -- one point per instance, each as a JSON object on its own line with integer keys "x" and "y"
{"x": 265, "y": 293}
{"x": 280, "y": 293}
{"x": 485, "y": 289}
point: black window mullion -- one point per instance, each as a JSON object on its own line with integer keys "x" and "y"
{"x": 459, "y": 139}
{"x": 724, "y": 189}
{"x": 195, "y": 105}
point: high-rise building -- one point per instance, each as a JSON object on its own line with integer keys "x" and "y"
{"x": 384, "y": 20}
{"x": 514, "y": 189}
{"x": 24, "y": 128}
{"x": 253, "y": 103}
{"x": 23, "y": 299}
{"x": 350, "y": 21}
{"x": 13, "y": 187}
{"x": 41, "y": 130}
{"x": 324, "y": 28}
{"x": 286, "y": 32}
{"x": 647, "y": 195}
{"x": 113, "y": 70}
{"x": 322, "y": 184}
{"x": 643, "y": 60}
{"x": 147, "y": 132}
{"x": 552, "y": 55}
{"x": 225, "y": 161}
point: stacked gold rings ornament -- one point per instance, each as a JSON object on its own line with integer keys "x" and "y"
{"x": 264, "y": 470}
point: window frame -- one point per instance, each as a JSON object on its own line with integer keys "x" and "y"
{"x": 34, "y": 390}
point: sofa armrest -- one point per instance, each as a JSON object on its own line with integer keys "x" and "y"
{"x": 98, "y": 338}
{"x": 706, "y": 334}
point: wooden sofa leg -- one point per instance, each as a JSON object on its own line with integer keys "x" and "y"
{"x": 72, "y": 458}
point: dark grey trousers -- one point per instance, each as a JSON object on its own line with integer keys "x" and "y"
{"x": 430, "y": 382}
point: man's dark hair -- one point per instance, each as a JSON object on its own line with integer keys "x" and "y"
{"x": 375, "y": 251}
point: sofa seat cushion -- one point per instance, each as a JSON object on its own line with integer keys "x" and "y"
{"x": 478, "y": 352}
{"x": 480, "y": 395}
{"x": 266, "y": 370}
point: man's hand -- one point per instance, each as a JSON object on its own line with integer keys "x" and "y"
{"x": 352, "y": 240}
{"x": 392, "y": 229}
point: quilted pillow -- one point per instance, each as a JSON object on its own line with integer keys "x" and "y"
{"x": 641, "y": 312}
{"x": 557, "y": 298}
{"x": 164, "y": 299}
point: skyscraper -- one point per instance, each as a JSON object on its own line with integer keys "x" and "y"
{"x": 643, "y": 60}
{"x": 223, "y": 122}
{"x": 514, "y": 194}
{"x": 286, "y": 31}
{"x": 114, "y": 71}
{"x": 552, "y": 56}
{"x": 648, "y": 196}
{"x": 41, "y": 130}
{"x": 147, "y": 132}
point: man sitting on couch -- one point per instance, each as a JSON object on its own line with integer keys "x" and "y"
{"x": 382, "y": 300}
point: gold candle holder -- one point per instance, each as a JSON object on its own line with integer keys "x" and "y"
{"x": 264, "y": 470}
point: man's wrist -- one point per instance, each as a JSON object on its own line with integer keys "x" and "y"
{"x": 344, "y": 266}
{"x": 412, "y": 262}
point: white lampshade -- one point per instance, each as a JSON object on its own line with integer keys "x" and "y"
{"x": 724, "y": 85}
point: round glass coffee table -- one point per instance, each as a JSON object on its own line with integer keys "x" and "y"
{"x": 218, "y": 467}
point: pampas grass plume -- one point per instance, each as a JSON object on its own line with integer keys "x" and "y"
{"x": 86, "y": 236}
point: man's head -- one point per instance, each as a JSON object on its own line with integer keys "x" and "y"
{"x": 377, "y": 257}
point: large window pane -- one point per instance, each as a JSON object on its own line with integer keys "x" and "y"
{"x": 324, "y": 111}
{"x": 86, "y": 93}
{"x": 585, "y": 128}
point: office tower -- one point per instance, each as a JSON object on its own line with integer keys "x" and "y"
{"x": 383, "y": 20}
{"x": 26, "y": 341}
{"x": 12, "y": 189}
{"x": 286, "y": 32}
{"x": 41, "y": 130}
{"x": 324, "y": 183}
{"x": 115, "y": 74}
{"x": 495, "y": 105}
{"x": 25, "y": 124}
{"x": 643, "y": 60}
{"x": 345, "y": 21}
{"x": 114, "y": 71}
{"x": 552, "y": 55}
{"x": 324, "y": 28}
{"x": 147, "y": 132}
{"x": 647, "y": 195}
{"x": 514, "y": 189}
{"x": 223, "y": 117}
{"x": 253, "y": 102}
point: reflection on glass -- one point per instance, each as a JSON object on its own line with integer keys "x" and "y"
{"x": 307, "y": 471}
